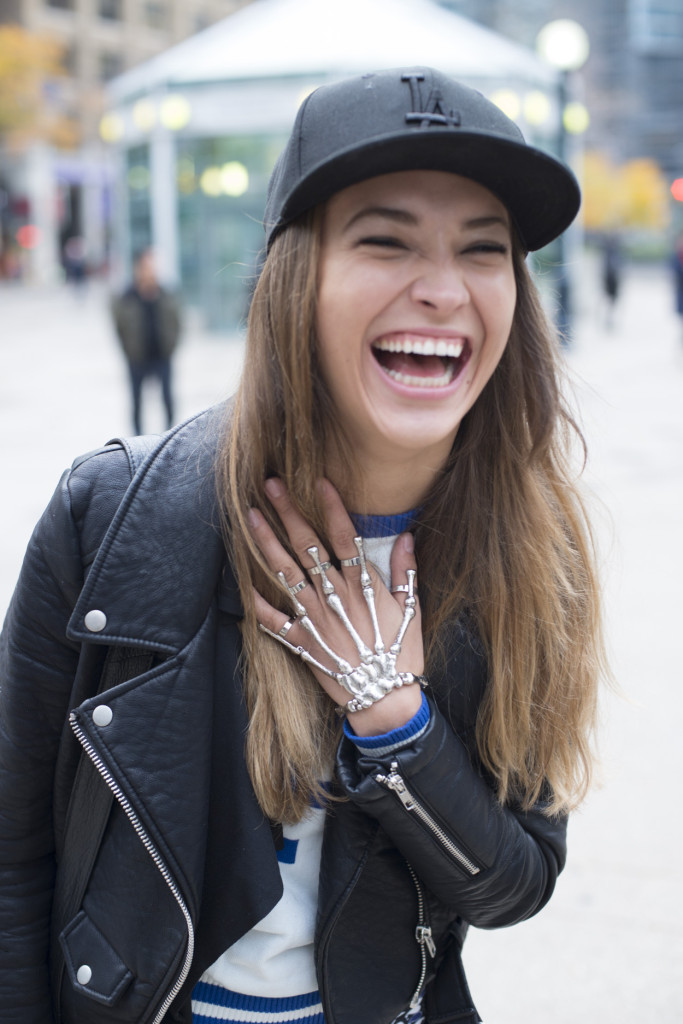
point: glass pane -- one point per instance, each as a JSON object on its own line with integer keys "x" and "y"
{"x": 155, "y": 14}
{"x": 110, "y": 9}
{"x": 111, "y": 65}
{"x": 221, "y": 194}
{"x": 138, "y": 189}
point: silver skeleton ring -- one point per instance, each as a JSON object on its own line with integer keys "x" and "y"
{"x": 401, "y": 588}
{"x": 286, "y": 628}
{"x": 297, "y": 588}
{"x": 376, "y": 675}
{"x": 348, "y": 562}
{"x": 316, "y": 570}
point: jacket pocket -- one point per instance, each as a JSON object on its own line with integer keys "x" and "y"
{"x": 93, "y": 966}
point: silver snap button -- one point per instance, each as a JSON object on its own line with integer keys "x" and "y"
{"x": 102, "y": 715}
{"x": 95, "y": 620}
{"x": 83, "y": 974}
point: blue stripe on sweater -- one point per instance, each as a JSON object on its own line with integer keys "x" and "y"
{"x": 397, "y": 737}
{"x": 385, "y": 526}
{"x": 212, "y": 1004}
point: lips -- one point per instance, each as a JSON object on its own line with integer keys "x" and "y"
{"x": 421, "y": 361}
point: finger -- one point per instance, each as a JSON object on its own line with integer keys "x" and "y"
{"x": 300, "y": 533}
{"x": 293, "y": 634}
{"x": 340, "y": 528}
{"x": 402, "y": 559}
{"x": 279, "y": 561}
{"x": 270, "y": 617}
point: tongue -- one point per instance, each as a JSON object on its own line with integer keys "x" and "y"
{"x": 416, "y": 366}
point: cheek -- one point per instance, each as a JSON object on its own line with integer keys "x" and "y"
{"x": 501, "y": 305}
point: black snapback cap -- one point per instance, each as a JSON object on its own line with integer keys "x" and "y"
{"x": 417, "y": 119}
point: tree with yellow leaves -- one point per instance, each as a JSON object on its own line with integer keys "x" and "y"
{"x": 29, "y": 65}
{"x": 633, "y": 194}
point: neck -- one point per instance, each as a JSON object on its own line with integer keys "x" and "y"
{"x": 386, "y": 486}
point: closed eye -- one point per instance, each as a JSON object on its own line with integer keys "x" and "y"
{"x": 487, "y": 247}
{"x": 383, "y": 241}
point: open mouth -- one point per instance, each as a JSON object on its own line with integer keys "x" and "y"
{"x": 419, "y": 361}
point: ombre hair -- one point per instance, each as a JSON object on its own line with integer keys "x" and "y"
{"x": 503, "y": 541}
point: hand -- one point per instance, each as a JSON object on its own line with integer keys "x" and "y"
{"x": 325, "y": 622}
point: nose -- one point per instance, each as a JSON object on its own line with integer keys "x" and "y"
{"x": 441, "y": 286}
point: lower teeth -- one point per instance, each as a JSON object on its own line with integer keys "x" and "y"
{"x": 422, "y": 382}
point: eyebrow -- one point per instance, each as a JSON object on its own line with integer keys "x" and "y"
{"x": 405, "y": 217}
{"x": 388, "y": 212}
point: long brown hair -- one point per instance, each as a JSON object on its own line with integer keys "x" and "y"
{"x": 503, "y": 538}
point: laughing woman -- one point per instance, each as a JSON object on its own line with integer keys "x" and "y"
{"x": 329, "y": 660}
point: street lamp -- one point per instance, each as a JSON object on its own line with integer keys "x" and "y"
{"x": 565, "y": 45}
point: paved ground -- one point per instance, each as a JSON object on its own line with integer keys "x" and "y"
{"x": 609, "y": 948}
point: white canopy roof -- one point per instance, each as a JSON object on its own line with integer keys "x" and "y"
{"x": 331, "y": 38}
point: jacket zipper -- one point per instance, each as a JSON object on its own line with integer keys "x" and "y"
{"x": 154, "y": 854}
{"x": 396, "y": 783}
{"x": 423, "y": 934}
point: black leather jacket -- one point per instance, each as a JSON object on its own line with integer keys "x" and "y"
{"x": 186, "y": 862}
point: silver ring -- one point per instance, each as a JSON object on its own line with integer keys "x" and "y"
{"x": 286, "y": 628}
{"x": 348, "y": 562}
{"x": 317, "y": 569}
{"x": 400, "y": 588}
{"x": 298, "y": 587}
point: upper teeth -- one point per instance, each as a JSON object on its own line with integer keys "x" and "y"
{"x": 421, "y": 346}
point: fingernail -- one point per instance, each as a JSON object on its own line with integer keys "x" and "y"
{"x": 273, "y": 487}
{"x": 408, "y": 543}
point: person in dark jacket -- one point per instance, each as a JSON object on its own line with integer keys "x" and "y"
{"x": 148, "y": 321}
{"x": 677, "y": 268}
{"x": 299, "y": 691}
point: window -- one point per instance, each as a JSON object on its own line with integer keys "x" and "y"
{"x": 657, "y": 26}
{"x": 63, "y": 5}
{"x": 110, "y": 10}
{"x": 154, "y": 14}
{"x": 111, "y": 65}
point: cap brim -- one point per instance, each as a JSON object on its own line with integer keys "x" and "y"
{"x": 541, "y": 194}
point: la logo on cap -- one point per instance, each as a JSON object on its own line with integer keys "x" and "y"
{"x": 434, "y": 113}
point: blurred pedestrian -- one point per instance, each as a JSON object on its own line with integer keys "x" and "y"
{"x": 148, "y": 321}
{"x": 76, "y": 261}
{"x": 677, "y": 266}
{"x": 611, "y": 275}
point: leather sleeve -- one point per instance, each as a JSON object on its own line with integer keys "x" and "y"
{"x": 492, "y": 865}
{"x": 37, "y": 669}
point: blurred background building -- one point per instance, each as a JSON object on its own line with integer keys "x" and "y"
{"x": 102, "y": 38}
{"x": 158, "y": 121}
{"x": 62, "y": 55}
{"x": 632, "y": 83}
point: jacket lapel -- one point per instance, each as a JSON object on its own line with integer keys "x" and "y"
{"x": 159, "y": 565}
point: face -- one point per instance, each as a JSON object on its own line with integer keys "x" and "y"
{"x": 416, "y": 297}
{"x": 145, "y": 271}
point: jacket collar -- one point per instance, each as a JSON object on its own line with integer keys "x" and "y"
{"x": 162, "y": 560}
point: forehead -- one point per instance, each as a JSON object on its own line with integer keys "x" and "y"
{"x": 419, "y": 193}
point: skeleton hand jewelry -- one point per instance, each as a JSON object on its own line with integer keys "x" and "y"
{"x": 376, "y": 675}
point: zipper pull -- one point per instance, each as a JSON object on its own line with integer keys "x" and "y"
{"x": 423, "y": 934}
{"x": 395, "y": 782}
